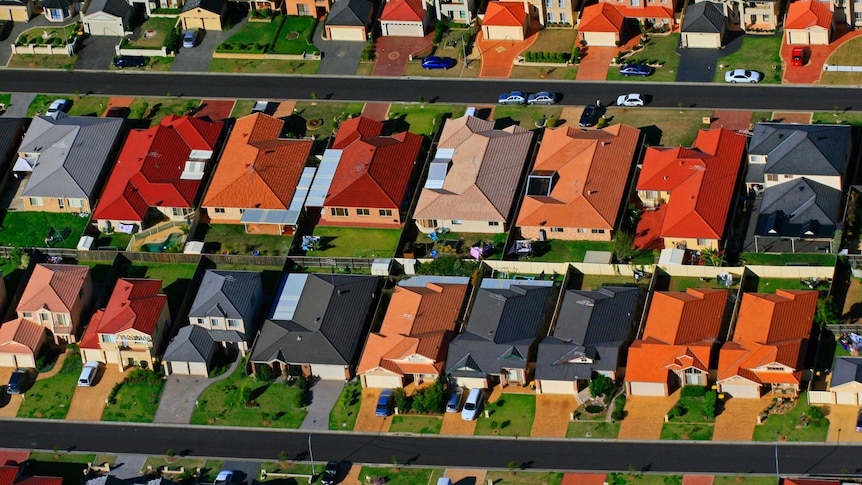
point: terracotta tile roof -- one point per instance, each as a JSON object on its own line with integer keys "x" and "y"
{"x": 505, "y": 14}
{"x": 601, "y": 17}
{"x": 55, "y": 286}
{"x": 702, "y": 181}
{"x": 13, "y": 458}
{"x": 148, "y": 170}
{"x": 374, "y": 169}
{"x": 404, "y": 10}
{"x": 134, "y": 304}
{"x": 592, "y": 169}
{"x": 420, "y": 321}
{"x": 584, "y": 479}
{"x": 8, "y": 474}
{"x": 647, "y": 11}
{"x": 258, "y": 169}
{"x": 20, "y": 335}
{"x": 809, "y": 13}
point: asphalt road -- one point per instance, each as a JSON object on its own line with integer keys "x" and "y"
{"x": 697, "y": 457}
{"x": 705, "y": 96}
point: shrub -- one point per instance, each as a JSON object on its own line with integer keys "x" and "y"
{"x": 112, "y": 397}
{"x": 619, "y": 408}
{"x": 264, "y": 374}
{"x": 402, "y": 400}
{"x": 245, "y": 394}
{"x": 601, "y": 385}
{"x": 815, "y": 413}
{"x": 439, "y": 30}
{"x": 710, "y": 399}
{"x": 693, "y": 391}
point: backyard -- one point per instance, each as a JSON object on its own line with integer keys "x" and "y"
{"x": 758, "y": 53}
{"x": 661, "y": 127}
{"x": 459, "y": 243}
{"x": 416, "y": 424}
{"x": 49, "y": 398}
{"x": 659, "y": 49}
{"x": 769, "y": 285}
{"x": 423, "y": 119}
{"x": 594, "y": 282}
{"x": 154, "y": 33}
{"x": 509, "y": 415}
{"x": 136, "y": 399}
{"x": 791, "y": 426}
{"x": 33, "y": 229}
{"x": 773, "y": 259}
{"x": 558, "y": 251}
{"x": 680, "y": 283}
{"x": 355, "y": 242}
{"x": 343, "y": 414}
{"x": 232, "y": 238}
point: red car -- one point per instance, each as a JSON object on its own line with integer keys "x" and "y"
{"x": 797, "y": 56}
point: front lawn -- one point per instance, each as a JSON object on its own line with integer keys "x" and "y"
{"x": 659, "y": 49}
{"x": 558, "y": 251}
{"x": 526, "y": 116}
{"x": 423, "y": 119}
{"x": 37, "y": 35}
{"x": 510, "y": 415}
{"x": 687, "y": 431}
{"x": 593, "y": 430}
{"x": 555, "y": 40}
{"x": 791, "y": 426}
{"x": 233, "y": 239}
{"x": 155, "y": 109}
{"x": 355, "y": 242}
{"x": 295, "y": 36}
{"x": 416, "y": 424}
{"x": 534, "y": 72}
{"x": 160, "y": 26}
{"x": 40, "y": 104}
{"x": 88, "y": 105}
{"x": 256, "y": 37}
{"x": 846, "y": 55}
{"x": 39, "y": 61}
{"x": 264, "y": 66}
{"x": 661, "y": 127}
{"x": 343, "y": 414}
{"x": 743, "y": 480}
{"x": 329, "y": 113}
{"x": 31, "y": 229}
{"x": 772, "y": 259}
{"x": 49, "y": 398}
{"x": 136, "y": 399}
{"x": 396, "y": 475}
{"x": 758, "y": 53}
{"x": 242, "y": 107}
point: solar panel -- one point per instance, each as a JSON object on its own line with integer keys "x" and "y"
{"x": 323, "y": 179}
{"x": 288, "y": 299}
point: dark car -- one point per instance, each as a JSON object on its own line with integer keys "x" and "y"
{"x": 330, "y": 474}
{"x": 384, "y": 403}
{"x": 129, "y": 61}
{"x": 21, "y": 380}
{"x": 635, "y": 70}
{"x": 590, "y": 116}
{"x": 435, "y": 62}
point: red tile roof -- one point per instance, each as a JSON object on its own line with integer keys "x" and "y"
{"x": 646, "y": 11}
{"x": 134, "y": 304}
{"x": 505, "y": 14}
{"x": 13, "y": 457}
{"x": 8, "y": 474}
{"x": 809, "y": 13}
{"x": 148, "y": 170}
{"x": 404, "y": 10}
{"x": 374, "y": 170}
{"x": 702, "y": 181}
{"x": 21, "y": 336}
{"x": 55, "y": 286}
{"x": 601, "y": 17}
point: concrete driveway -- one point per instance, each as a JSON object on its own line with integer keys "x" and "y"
{"x": 453, "y": 424}
{"x": 198, "y": 59}
{"x": 97, "y": 52}
{"x": 842, "y": 424}
{"x": 698, "y": 65}
{"x": 645, "y": 416}
{"x": 324, "y": 395}
{"x": 738, "y": 419}
{"x": 367, "y": 421}
{"x": 180, "y": 395}
{"x": 339, "y": 57}
{"x": 88, "y": 403}
{"x": 552, "y": 415}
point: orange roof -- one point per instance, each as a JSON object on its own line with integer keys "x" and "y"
{"x": 505, "y": 14}
{"x": 21, "y": 336}
{"x": 592, "y": 172}
{"x": 601, "y": 17}
{"x": 53, "y": 286}
{"x": 419, "y": 321}
{"x": 404, "y": 10}
{"x": 809, "y": 13}
{"x": 134, "y": 304}
{"x": 646, "y": 11}
{"x": 652, "y": 361}
{"x": 257, "y": 168}
{"x": 702, "y": 181}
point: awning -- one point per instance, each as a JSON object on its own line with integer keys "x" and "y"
{"x": 269, "y": 216}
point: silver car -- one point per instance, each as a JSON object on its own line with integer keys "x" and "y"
{"x": 515, "y": 97}
{"x": 742, "y": 76}
{"x": 542, "y": 97}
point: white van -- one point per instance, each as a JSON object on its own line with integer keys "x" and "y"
{"x": 444, "y": 481}
{"x": 88, "y": 374}
{"x": 472, "y": 405}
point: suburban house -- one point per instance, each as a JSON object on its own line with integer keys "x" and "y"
{"x": 406, "y": 18}
{"x": 203, "y": 14}
{"x": 17, "y": 10}
{"x": 190, "y": 352}
{"x": 767, "y": 349}
{"x": 107, "y": 17}
{"x": 423, "y": 315}
{"x": 60, "y": 10}
{"x": 369, "y": 187}
{"x": 130, "y": 329}
{"x": 650, "y": 13}
{"x": 56, "y": 297}
{"x": 756, "y": 15}
{"x": 228, "y": 304}
{"x": 317, "y": 325}
{"x": 678, "y": 343}
{"x": 845, "y": 381}
{"x": 688, "y": 193}
{"x": 64, "y": 161}
{"x": 555, "y": 13}
{"x": 577, "y": 189}
{"x": 310, "y": 8}
{"x": 587, "y": 339}
{"x": 20, "y": 342}
{"x": 704, "y": 26}
{"x": 498, "y": 345}
{"x": 601, "y": 24}
{"x": 158, "y": 174}
{"x": 261, "y": 180}
{"x": 809, "y": 22}
{"x": 506, "y": 20}
{"x": 350, "y": 20}
{"x": 458, "y": 11}
{"x": 473, "y": 179}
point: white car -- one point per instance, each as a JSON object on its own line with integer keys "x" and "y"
{"x": 742, "y": 76}
{"x": 630, "y": 100}
{"x": 224, "y": 477}
{"x": 57, "y": 107}
{"x": 472, "y": 405}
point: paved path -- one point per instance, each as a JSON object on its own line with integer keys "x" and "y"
{"x": 595, "y": 64}
{"x": 88, "y": 403}
{"x": 18, "y": 105}
{"x": 180, "y": 395}
{"x": 645, "y": 416}
{"x": 376, "y": 111}
{"x": 552, "y": 415}
{"x": 54, "y": 370}
{"x": 246, "y": 471}
{"x": 324, "y": 395}
{"x": 367, "y": 421}
{"x": 738, "y": 419}
{"x": 128, "y": 466}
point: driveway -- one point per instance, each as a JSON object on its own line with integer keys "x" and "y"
{"x": 88, "y": 403}
{"x": 453, "y": 424}
{"x": 339, "y": 57}
{"x": 180, "y": 395}
{"x": 198, "y": 59}
{"x": 393, "y": 53}
{"x": 97, "y": 52}
{"x": 128, "y": 467}
{"x": 645, "y": 416}
{"x": 215, "y": 109}
{"x": 498, "y": 56}
{"x": 18, "y": 105}
{"x": 460, "y": 476}
{"x": 367, "y": 421}
{"x": 738, "y": 419}
{"x": 552, "y": 415}
{"x": 698, "y": 65}
{"x": 815, "y": 57}
{"x": 9, "y": 403}
{"x": 324, "y": 395}
{"x": 246, "y": 472}
{"x": 842, "y": 424}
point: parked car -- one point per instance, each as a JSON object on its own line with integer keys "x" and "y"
{"x": 21, "y": 380}
{"x": 57, "y": 107}
{"x": 635, "y": 70}
{"x": 384, "y": 403}
{"x": 590, "y": 116}
{"x": 88, "y": 374}
{"x": 436, "y": 62}
{"x": 797, "y": 56}
{"x": 473, "y": 405}
{"x": 515, "y": 97}
{"x": 542, "y": 97}
{"x": 260, "y": 107}
{"x": 742, "y": 76}
{"x": 453, "y": 404}
{"x": 330, "y": 473}
{"x": 224, "y": 477}
{"x": 121, "y": 62}
{"x": 630, "y": 100}
{"x": 190, "y": 38}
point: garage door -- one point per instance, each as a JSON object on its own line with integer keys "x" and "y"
{"x": 494, "y": 32}
{"x": 402, "y": 29}
{"x": 695, "y": 40}
{"x": 848, "y": 398}
{"x": 180, "y": 368}
{"x": 741, "y": 391}
{"x": 382, "y": 381}
{"x": 7, "y": 360}
{"x": 797, "y": 37}
{"x": 346, "y": 33}
{"x": 211, "y": 24}
{"x": 647, "y": 389}
{"x": 601, "y": 39}
{"x": 104, "y": 28}
{"x": 193, "y": 23}
{"x": 198, "y": 369}
{"x": 818, "y": 37}
{"x": 557, "y": 387}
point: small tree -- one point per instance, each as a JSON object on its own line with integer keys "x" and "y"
{"x": 826, "y": 313}
{"x": 601, "y": 385}
{"x": 713, "y": 256}
{"x": 170, "y": 453}
{"x": 402, "y": 401}
{"x": 624, "y": 246}
{"x": 709, "y": 402}
{"x": 512, "y": 466}
{"x": 245, "y": 394}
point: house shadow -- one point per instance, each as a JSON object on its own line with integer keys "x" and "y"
{"x": 652, "y": 135}
{"x": 295, "y": 125}
{"x": 503, "y": 123}
{"x": 397, "y": 124}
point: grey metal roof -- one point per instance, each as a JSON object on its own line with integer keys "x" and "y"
{"x": 73, "y": 152}
{"x": 846, "y": 370}
{"x": 704, "y": 17}
{"x": 352, "y": 13}
{"x": 802, "y": 149}
{"x": 591, "y": 324}
{"x": 9, "y": 128}
{"x": 503, "y": 323}
{"x": 323, "y": 177}
{"x": 228, "y": 294}
{"x": 57, "y": 3}
{"x": 192, "y": 344}
{"x": 328, "y": 324}
{"x": 788, "y": 209}
{"x": 118, "y": 8}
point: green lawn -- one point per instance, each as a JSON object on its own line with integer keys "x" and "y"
{"x": 403, "y": 475}
{"x": 68, "y": 466}
{"x": 83, "y": 105}
{"x": 242, "y": 107}
{"x": 533, "y": 72}
{"x": 254, "y": 37}
{"x": 771, "y": 259}
{"x": 119, "y": 240}
{"x": 40, "y": 104}
{"x": 680, "y": 283}
{"x": 510, "y": 415}
{"x": 757, "y": 53}
{"x": 594, "y": 282}
{"x": 769, "y": 285}
{"x": 286, "y": 467}
{"x": 662, "y": 127}
{"x": 593, "y": 430}
{"x": 49, "y": 398}
{"x": 36, "y": 34}
{"x": 846, "y": 55}
{"x": 520, "y": 477}
{"x": 693, "y": 413}
{"x": 566, "y": 251}
{"x": 421, "y": 118}
{"x": 555, "y": 40}
{"x": 326, "y": 112}
{"x": 743, "y": 480}
{"x": 526, "y": 116}
{"x": 6, "y": 99}
{"x": 343, "y": 414}
{"x": 660, "y": 49}
{"x": 355, "y": 242}
{"x": 233, "y": 239}
{"x": 175, "y": 278}
{"x": 155, "y": 109}
{"x": 687, "y": 431}
{"x": 264, "y": 66}
{"x": 137, "y": 399}
{"x": 162, "y": 27}
{"x": 789, "y": 426}
{"x": 221, "y": 404}
{"x": 30, "y": 229}
{"x": 295, "y": 36}
{"x": 632, "y": 478}
{"x": 853, "y": 118}
{"x": 39, "y": 61}
{"x": 416, "y": 424}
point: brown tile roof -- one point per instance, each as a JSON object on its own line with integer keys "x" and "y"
{"x": 21, "y": 335}
{"x": 53, "y": 286}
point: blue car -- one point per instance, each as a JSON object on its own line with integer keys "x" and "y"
{"x": 384, "y": 403}
{"x": 635, "y": 70}
{"x": 435, "y": 62}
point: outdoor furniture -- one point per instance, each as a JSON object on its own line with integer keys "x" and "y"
{"x": 310, "y": 243}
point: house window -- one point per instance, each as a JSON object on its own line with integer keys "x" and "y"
{"x": 28, "y": 315}
{"x": 755, "y": 158}
{"x": 582, "y": 230}
{"x": 703, "y": 242}
{"x": 857, "y": 16}
{"x": 62, "y": 319}
{"x": 456, "y": 222}
{"x": 786, "y": 176}
{"x": 201, "y": 321}
{"x": 60, "y": 203}
{"x": 597, "y": 231}
{"x": 234, "y": 323}
{"x": 302, "y": 10}
{"x": 651, "y": 194}
{"x": 556, "y": 229}
{"x": 217, "y": 322}
{"x": 462, "y": 14}
{"x": 219, "y": 210}
{"x": 766, "y": 18}
{"x": 339, "y": 211}
{"x": 561, "y": 3}
{"x": 242, "y": 211}
{"x": 550, "y": 16}
{"x": 564, "y": 18}
{"x": 36, "y": 201}
{"x": 771, "y": 177}
{"x": 363, "y": 212}
{"x": 76, "y": 203}
{"x": 44, "y": 317}
{"x": 56, "y": 13}
{"x": 179, "y": 211}
{"x": 493, "y": 223}
{"x": 427, "y": 223}
{"x": 385, "y": 212}
{"x": 109, "y": 338}
{"x": 549, "y": 3}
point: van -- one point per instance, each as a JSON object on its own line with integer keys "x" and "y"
{"x": 472, "y": 405}
{"x": 444, "y": 481}
{"x": 88, "y": 374}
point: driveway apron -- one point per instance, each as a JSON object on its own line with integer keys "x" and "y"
{"x": 215, "y": 109}
{"x": 376, "y": 111}
{"x": 324, "y": 395}
{"x": 595, "y": 64}
{"x": 198, "y": 59}
{"x": 453, "y": 424}
{"x": 97, "y": 52}
{"x": 552, "y": 415}
{"x": 645, "y": 416}
{"x": 393, "y": 53}
{"x": 367, "y": 421}
{"x": 842, "y": 424}
{"x": 460, "y": 476}
{"x": 18, "y": 105}
{"x": 731, "y": 120}
{"x": 128, "y": 466}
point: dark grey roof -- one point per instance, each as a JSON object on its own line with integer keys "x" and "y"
{"x": 228, "y": 294}
{"x": 802, "y": 149}
{"x": 846, "y": 370}
{"x": 704, "y": 17}
{"x": 215, "y": 6}
{"x": 592, "y": 325}
{"x": 73, "y": 151}
{"x": 503, "y": 323}
{"x": 798, "y": 208}
{"x": 192, "y": 344}
{"x": 57, "y": 3}
{"x": 226, "y": 335}
{"x": 9, "y": 130}
{"x": 117, "y": 8}
{"x": 350, "y": 13}
{"x": 328, "y": 324}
